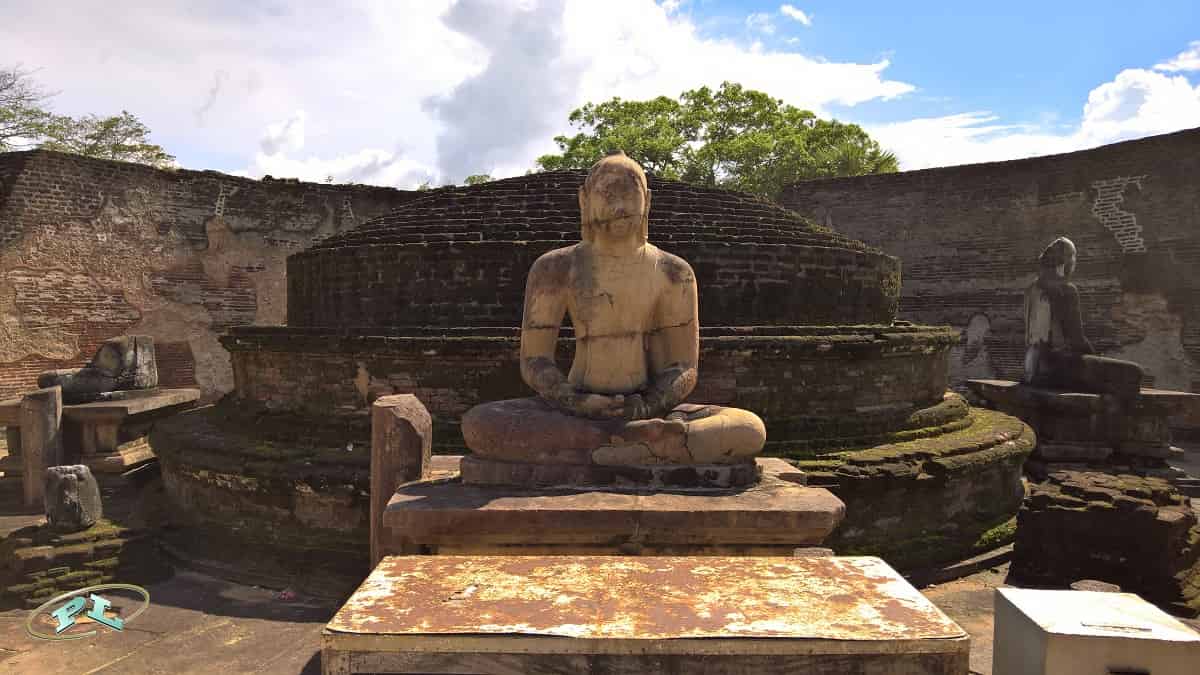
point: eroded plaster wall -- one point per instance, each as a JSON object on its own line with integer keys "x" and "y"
{"x": 90, "y": 249}
{"x": 969, "y": 238}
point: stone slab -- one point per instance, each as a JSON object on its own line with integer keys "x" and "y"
{"x": 134, "y": 403}
{"x": 137, "y": 402}
{"x": 482, "y": 471}
{"x": 1149, "y": 401}
{"x": 446, "y": 516}
{"x": 521, "y": 614}
{"x": 128, "y": 455}
{"x": 1084, "y": 632}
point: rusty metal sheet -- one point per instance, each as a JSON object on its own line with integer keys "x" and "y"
{"x": 606, "y": 597}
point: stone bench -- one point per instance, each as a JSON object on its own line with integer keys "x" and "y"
{"x": 718, "y": 615}
{"x": 104, "y": 435}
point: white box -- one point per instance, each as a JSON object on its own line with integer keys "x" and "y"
{"x": 1085, "y": 632}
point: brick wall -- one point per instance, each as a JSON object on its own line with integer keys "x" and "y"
{"x": 483, "y": 284}
{"x": 799, "y": 379}
{"x": 969, "y": 237}
{"x": 90, "y": 249}
{"x": 460, "y": 257}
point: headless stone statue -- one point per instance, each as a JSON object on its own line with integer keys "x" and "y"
{"x": 637, "y": 340}
{"x": 121, "y": 364}
{"x": 72, "y": 498}
{"x": 1058, "y": 355}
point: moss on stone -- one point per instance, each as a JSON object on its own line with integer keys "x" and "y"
{"x": 997, "y": 536}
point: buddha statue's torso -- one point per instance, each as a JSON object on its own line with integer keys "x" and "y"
{"x": 611, "y": 304}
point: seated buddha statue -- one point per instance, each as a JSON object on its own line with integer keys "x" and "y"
{"x": 637, "y": 340}
{"x": 1058, "y": 355}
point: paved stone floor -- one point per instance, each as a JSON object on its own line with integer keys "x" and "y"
{"x": 201, "y": 624}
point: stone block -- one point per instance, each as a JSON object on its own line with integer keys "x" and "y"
{"x": 41, "y": 439}
{"x": 1086, "y": 633}
{"x": 451, "y": 518}
{"x": 401, "y": 446}
{"x": 625, "y": 616}
{"x": 72, "y": 498}
{"x": 480, "y": 471}
{"x": 1135, "y": 531}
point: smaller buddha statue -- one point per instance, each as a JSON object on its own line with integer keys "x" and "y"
{"x": 120, "y": 364}
{"x": 1058, "y": 355}
{"x": 637, "y": 339}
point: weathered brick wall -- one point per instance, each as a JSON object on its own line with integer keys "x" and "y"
{"x": 801, "y": 380}
{"x": 460, "y": 257}
{"x": 969, "y": 237}
{"x": 482, "y": 283}
{"x": 90, "y": 249}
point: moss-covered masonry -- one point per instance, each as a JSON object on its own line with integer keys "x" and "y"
{"x": 37, "y": 563}
{"x": 929, "y": 500}
{"x": 1135, "y": 531}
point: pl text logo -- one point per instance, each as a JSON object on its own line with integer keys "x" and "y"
{"x": 84, "y": 606}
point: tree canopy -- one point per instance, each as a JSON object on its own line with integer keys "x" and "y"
{"x": 734, "y": 138}
{"x": 26, "y": 121}
{"x": 122, "y": 137}
{"x": 22, "y": 109}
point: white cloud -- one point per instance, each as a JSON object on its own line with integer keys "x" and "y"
{"x": 388, "y": 87}
{"x": 285, "y": 136}
{"x": 761, "y": 22}
{"x": 284, "y": 139}
{"x": 1135, "y": 103}
{"x": 518, "y": 100}
{"x": 795, "y": 13}
{"x": 373, "y": 166}
{"x": 1189, "y": 59}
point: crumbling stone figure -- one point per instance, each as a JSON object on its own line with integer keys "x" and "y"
{"x": 637, "y": 339}
{"x": 121, "y": 364}
{"x": 72, "y": 498}
{"x": 1058, "y": 355}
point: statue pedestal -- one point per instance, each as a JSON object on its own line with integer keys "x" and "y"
{"x": 444, "y": 516}
{"x": 1087, "y": 428}
{"x": 593, "y": 614}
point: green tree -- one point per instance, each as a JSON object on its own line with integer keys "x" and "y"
{"x": 735, "y": 138}
{"x": 477, "y": 178}
{"x": 121, "y": 137}
{"x": 23, "y": 112}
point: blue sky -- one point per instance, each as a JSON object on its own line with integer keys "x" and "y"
{"x": 1025, "y": 61}
{"x": 400, "y": 92}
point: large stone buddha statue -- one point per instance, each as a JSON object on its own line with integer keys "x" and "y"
{"x": 637, "y": 336}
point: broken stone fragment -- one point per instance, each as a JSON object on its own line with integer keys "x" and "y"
{"x": 121, "y": 364}
{"x": 72, "y": 498}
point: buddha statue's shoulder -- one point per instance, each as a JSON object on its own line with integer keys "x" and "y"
{"x": 555, "y": 266}
{"x": 675, "y": 269}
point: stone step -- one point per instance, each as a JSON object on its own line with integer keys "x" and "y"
{"x": 1189, "y": 486}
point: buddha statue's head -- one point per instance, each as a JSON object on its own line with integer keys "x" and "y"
{"x": 614, "y": 200}
{"x": 1058, "y": 260}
